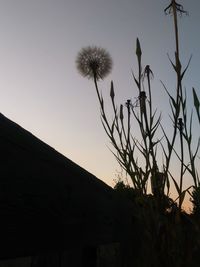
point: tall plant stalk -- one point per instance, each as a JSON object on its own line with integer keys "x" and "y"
{"x": 95, "y": 63}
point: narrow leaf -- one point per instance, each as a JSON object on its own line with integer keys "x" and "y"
{"x": 121, "y": 115}
{"x": 176, "y": 185}
{"x": 196, "y": 103}
{"x": 182, "y": 196}
{"x": 136, "y": 81}
{"x": 183, "y": 73}
{"x": 172, "y": 63}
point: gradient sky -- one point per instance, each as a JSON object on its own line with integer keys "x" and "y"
{"x": 41, "y": 89}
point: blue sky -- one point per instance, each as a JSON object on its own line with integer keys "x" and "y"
{"x": 41, "y": 89}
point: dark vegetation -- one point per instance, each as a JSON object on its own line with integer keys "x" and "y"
{"x": 165, "y": 235}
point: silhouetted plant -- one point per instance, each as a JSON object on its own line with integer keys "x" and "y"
{"x": 166, "y": 231}
{"x": 96, "y": 63}
{"x": 180, "y": 116}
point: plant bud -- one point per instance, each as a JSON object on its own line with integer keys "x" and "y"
{"x": 112, "y": 92}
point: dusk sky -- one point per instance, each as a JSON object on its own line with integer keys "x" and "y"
{"x": 41, "y": 89}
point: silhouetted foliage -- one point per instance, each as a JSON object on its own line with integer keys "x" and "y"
{"x": 166, "y": 235}
{"x": 96, "y": 63}
{"x": 196, "y": 201}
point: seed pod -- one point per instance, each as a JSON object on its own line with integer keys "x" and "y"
{"x": 112, "y": 92}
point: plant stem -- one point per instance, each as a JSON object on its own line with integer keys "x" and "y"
{"x": 182, "y": 162}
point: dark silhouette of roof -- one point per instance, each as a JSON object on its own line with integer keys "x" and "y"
{"x": 47, "y": 202}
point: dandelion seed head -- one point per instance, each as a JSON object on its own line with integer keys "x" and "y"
{"x": 94, "y": 62}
